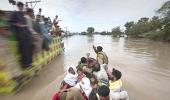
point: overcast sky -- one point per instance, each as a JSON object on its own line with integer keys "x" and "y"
{"x": 103, "y": 15}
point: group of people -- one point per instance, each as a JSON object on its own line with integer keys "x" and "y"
{"x": 33, "y": 34}
{"x": 92, "y": 80}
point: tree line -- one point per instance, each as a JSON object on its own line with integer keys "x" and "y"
{"x": 156, "y": 28}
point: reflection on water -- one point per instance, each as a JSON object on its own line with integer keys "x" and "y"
{"x": 90, "y": 38}
{"x": 145, "y": 64}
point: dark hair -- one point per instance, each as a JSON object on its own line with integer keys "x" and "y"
{"x": 19, "y": 4}
{"x": 45, "y": 19}
{"x": 92, "y": 76}
{"x": 83, "y": 60}
{"x": 56, "y": 23}
{"x": 99, "y": 48}
{"x": 93, "y": 95}
{"x": 96, "y": 67}
{"x": 29, "y": 10}
{"x": 116, "y": 73}
{"x": 70, "y": 68}
{"x": 88, "y": 75}
{"x": 93, "y": 82}
{"x": 103, "y": 91}
{"x": 2, "y": 12}
{"x": 80, "y": 69}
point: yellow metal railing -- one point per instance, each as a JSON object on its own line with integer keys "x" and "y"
{"x": 41, "y": 59}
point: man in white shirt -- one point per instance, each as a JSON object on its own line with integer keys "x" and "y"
{"x": 99, "y": 72}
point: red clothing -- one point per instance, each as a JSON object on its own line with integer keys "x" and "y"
{"x": 64, "y": 85}
{"x": 84, "y": 95}
{"x": 91, "y": 62}
{"x": 56, "y": 96}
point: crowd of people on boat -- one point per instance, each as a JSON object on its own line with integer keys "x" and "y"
{"x": 91, "y": 79}
{"x": 33, "y": 34}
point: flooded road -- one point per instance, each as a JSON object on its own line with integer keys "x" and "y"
{"x": 145, "y": 66}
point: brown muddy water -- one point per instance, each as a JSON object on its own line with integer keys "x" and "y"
{"x": 145, "y": 66}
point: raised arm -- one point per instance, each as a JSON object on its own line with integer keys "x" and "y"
{"x": 94, "y": 48}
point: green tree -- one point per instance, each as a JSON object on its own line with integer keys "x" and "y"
{"x": 103, "y": 33}
{"x": 129, "y": 25}
{"x": 165, "y": 11}
{"x": 83, "y": 33}
{"x": 143, "y": 20}
{"x": 157, "y": 28}
{"x": 116, "y": 31}
{"x": 90, "y": 30}
{"x": 155, "y": 23}
{"x": 136, "y": 29}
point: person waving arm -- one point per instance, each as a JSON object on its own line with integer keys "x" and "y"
{"x": 95, "y": 50}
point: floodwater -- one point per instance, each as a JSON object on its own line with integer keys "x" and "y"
{"x": 145, "y": 66}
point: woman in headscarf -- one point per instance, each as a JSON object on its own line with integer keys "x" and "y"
{"x": 81, "y": 91}
{"x": 85, "y": 87}
{"x": 70, "y": 79}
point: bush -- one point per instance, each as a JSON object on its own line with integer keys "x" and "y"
{"x": 154, "y": 35}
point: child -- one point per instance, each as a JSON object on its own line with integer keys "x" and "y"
{"x": 93, "y": 81}
{"x": 94, "y": 85}
{"x": 70, "y": 79}
{"x": 85, "y": 87}
{"x": 80, "y": 74}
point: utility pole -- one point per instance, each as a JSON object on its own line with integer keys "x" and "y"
{"x": 66, "y": 30}
{"x": 32, "y": 3}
